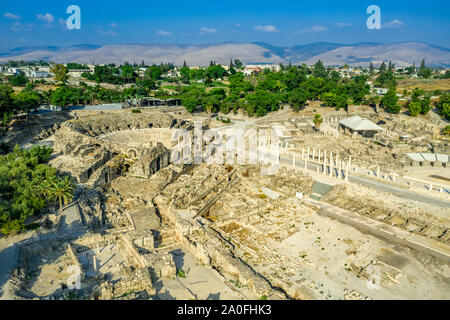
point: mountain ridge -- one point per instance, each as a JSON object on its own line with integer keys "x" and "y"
{"x": 401, "y": 53}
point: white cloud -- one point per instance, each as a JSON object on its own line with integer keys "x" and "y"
{"x": 344, "y": 24}
{"x": 238, "y": 25}
{"x": 163, "y": 33}
{"x": 204, "y": 30}
{"x": 46, "y": 17}
{"x": 103, "y": 32}
{"x": 114, "y": 25}
{"x": 312, "y": 29}
{"x": 16, "y": 27}
{"x": 394, "y": 24}
{"x": 12, "y": 16}
{"x": 268, "y": 28}
{"x": 63, "y": 24}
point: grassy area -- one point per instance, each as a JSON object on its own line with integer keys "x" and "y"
{"x": 425, "y": 84}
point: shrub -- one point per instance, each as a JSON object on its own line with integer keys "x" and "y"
{"x": 414, "y": 108}
{"x": 446, "y": 131}
{"x": 181, "y": 273}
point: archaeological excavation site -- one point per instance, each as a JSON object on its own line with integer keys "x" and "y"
{"x": 336, "y": 214}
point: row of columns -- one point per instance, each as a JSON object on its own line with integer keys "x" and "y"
{"x": 328, "y": 162}
{"x": 331, "y": 161}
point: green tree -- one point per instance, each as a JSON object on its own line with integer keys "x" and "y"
{"x": 319, "y": 70}
{"x": 424, "y": 71}
{"x": 317, "y": 121}
{"x": 414, "y": 108}
{"x": 7, "y": 107}
{"x": 260, "y": 103}
{"x": 62, "y": 97}
{"x": 147, "y": 84}
{"x": 215, "y": 72}
{"x": 446, "y": 131}
{"x": 390, "y": 101}
{"x": 23, "y": 176}
{"x": 184, "y": 72}
{"x": 62, "y": 190}
{"x": 26, "y": 101}
{"x": 61, "y": 73}
{"x": 128, "y": 73}
{"x": 425, "y": 105}
{"x": 386, "y": 80}
{"x": 154, "y": 73}
{"x": 391, "y": 66}
{"x": 238, "y": 64}
{"x": 329, "y": 99}
{"x": 342, "y": 101}
{"x": 443, "y": 106}
{"x": 19, "y": 81}
{"x": 410, "y": 70}
{"x": 298, "y": 99}
{"x": 238, "y": 84}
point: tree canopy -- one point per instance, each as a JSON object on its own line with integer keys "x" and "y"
{"x": 26, "y": 184}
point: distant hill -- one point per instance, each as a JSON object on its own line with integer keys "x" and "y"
{"x": 361, "y": 54}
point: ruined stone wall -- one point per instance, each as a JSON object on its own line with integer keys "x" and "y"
{"x": 208, "y": 249}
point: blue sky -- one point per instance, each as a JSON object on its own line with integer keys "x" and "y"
{"x": 282, "y": 23}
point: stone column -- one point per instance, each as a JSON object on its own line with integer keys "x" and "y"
{"x": 431, "y": 187}
{"x": 378, "y": 173}
{"x": 347, "y": 169}
{"x": 337, "y": 166}
{"x": 331, "y": 164}
{"x": 307, "y": 157}
{"x": 95, "y": 264}
{"x": 314, "y": 154}
{"x": 325, "y": 162}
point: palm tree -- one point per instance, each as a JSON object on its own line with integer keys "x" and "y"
{"x": 62, "y": 189}
{"x": 43, "y": 186}
{"x": 317, "y": 121}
